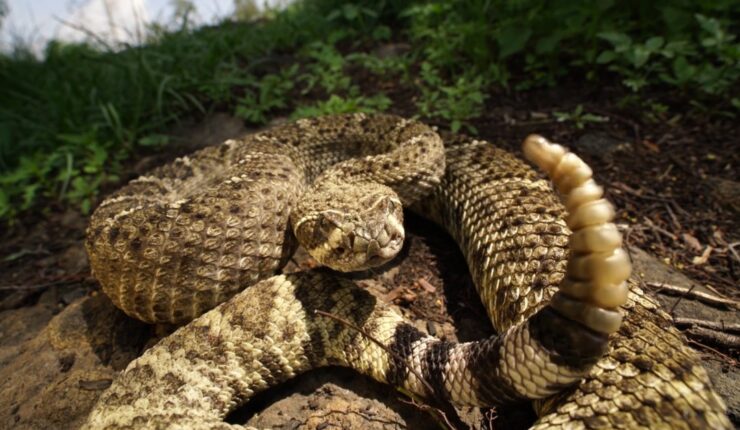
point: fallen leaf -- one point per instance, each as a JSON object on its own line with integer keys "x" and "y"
{"x": 692, "y": 242}
{"x": 699, "y": 260}
{"x": 429, "y": 288}
{"x": 718, "y": 236}
{"x": 651, "y": 146}
{"x": 394, "y": 294}
{"x": 408, "y": 297}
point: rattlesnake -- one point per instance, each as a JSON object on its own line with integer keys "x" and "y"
{"x": 507, "y": 221}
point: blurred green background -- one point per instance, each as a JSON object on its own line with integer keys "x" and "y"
{"x": 71, "y": 117}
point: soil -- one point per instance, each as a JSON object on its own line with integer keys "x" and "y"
{"x": 674, "y": 180}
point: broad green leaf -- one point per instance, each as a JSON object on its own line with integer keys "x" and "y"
{"x": 512, "y": 39}
{"x": 381, "y": 32}
{"x": 654, "y": 43}
{"x": 640, "y": 56}
{"x": 682, "y": 70}
{"x": 350, "y": 12}
{"x": 548, "y": 44}
{"x": 710, "y": 25}
{"x": 606, "y": 57}
{"x": 635, "y": 84}
{"x": 455, "y": 126}
{"x": 619, "y": 40}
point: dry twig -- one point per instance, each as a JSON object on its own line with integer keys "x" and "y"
{"x": 731, "y": 247}
{"x": 725, "y": 339}
{"x": 727, "y": 358}
{"x": 430, "y": 409}
{"x": 698, "y": 295}
{"x": 65, "y": 280}
{"x": 713, "y": 325}
{"x": 659, "y": 229}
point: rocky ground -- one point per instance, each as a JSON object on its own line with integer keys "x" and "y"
{"x": 62, "y": 341}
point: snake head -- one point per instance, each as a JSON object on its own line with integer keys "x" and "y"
{"x": 350, "y": 229}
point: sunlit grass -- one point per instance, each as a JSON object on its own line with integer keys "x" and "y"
{"x": 69, "y": 121}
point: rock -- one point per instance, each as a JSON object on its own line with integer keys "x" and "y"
{"x": 651, "y": 269}
{"x": 727, "y": 383}
{"x": 599, "y": 145}
{"x": 329, "y": 399}
{"x": 726, "y": 378}
{"x": 50, "y": 377}
{"x": 74, "y": 259}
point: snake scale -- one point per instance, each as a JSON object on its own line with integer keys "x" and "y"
{"x": 591, "y": 348}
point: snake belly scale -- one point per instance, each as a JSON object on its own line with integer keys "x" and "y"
{"x": 592, "y": 349}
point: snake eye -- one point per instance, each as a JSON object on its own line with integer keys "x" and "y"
{"x": 393, "y": 206}
{"x": 330, "y": 219}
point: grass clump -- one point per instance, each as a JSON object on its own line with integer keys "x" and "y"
{"x": 68, "y": 120}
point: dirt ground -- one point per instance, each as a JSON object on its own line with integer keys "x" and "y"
{"x": 674, "y": 181}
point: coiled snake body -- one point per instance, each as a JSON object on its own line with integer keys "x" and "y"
{"x": 165, "y": 251}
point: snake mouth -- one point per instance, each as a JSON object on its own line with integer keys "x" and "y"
{"x": 360, "y": 248}
{"x": 386, "y": 245}
{"x": 351, "y": 246}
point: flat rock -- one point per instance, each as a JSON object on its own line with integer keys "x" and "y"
{"x": 52, "y": 374}
{"x": 332, "y": 398}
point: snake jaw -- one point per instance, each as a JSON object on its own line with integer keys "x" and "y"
{"x": 352, "y": 240}
{"x": 387, "y": 243}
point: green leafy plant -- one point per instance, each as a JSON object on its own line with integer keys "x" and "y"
{"x": 455, "y": 103}
{"x": 266, "y": 95}
{"x": 70, "y": 120}
{"x": 392, "y": 65}
{"x": 710, "y": 62}
{"x": 633, "y": 60}
{"x": 325, "y": 69}
{"x": 579, "y": 117}
{"x": 336, "y": 104}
